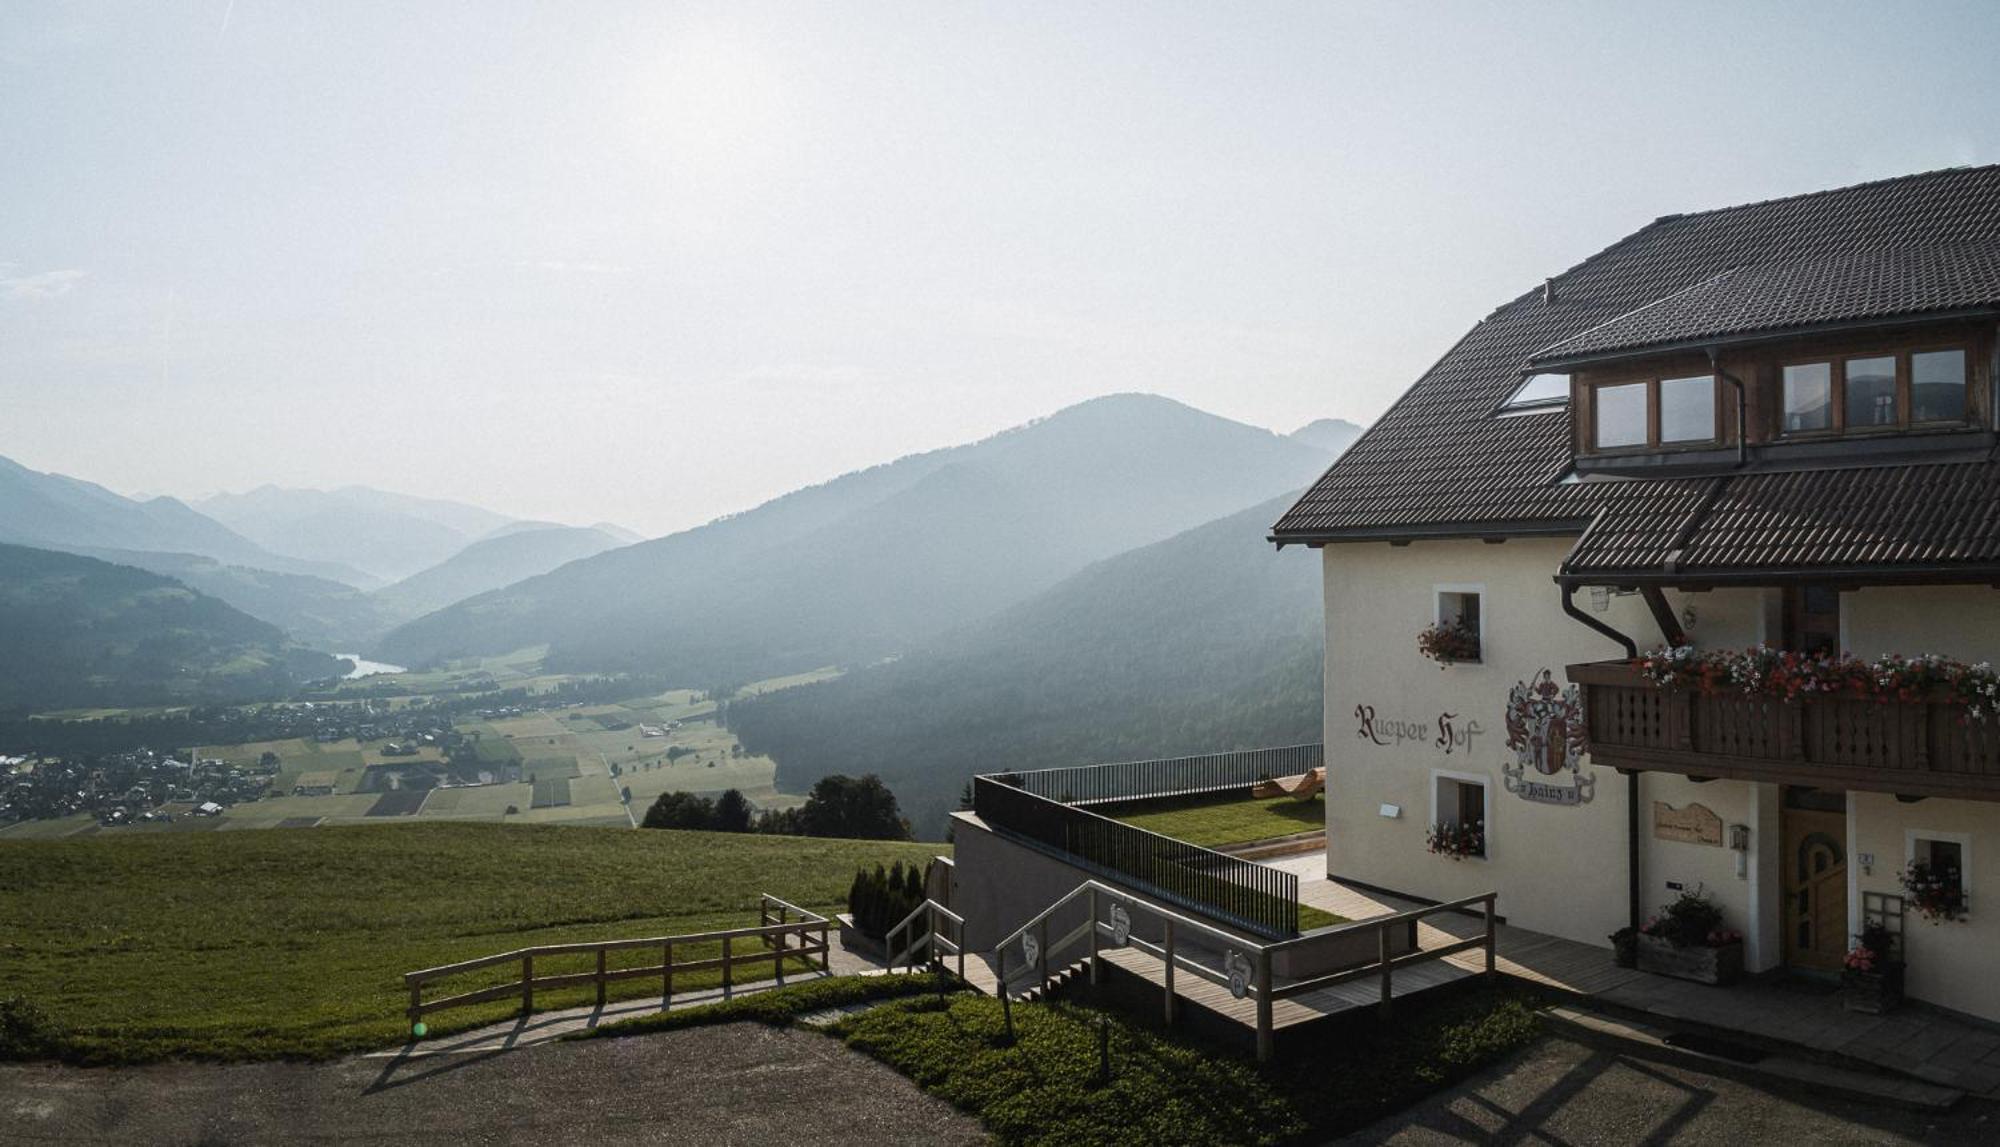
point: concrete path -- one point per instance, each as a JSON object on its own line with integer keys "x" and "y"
{"x": 1563, "y": 1092}
{"x": 736, "y": 1083}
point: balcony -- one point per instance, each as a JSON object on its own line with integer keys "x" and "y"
{"x": 1922, "y": 747}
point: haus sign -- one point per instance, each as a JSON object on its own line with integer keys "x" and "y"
{"x": 1546, "y": 731}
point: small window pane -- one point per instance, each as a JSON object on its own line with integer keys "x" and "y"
{"x": 1871, "y": 392}
{"x": 1687, "y": 409}
{"x": 1937, "y": 386}
{"x": 1808, "y": 397}
{"x": 1621, "y": 415}
{"x": 1540, "y": 390}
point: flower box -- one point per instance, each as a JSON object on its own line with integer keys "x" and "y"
{"x": 1703, "y": 964}
{"x": 1872, "y": 992}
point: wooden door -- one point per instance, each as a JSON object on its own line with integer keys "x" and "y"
{"x": 1812, "y": 619}
{"x": 1814, "y": 865}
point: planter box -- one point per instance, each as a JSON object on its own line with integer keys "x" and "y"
{"x": 1700, "y": 963}
{"x": 855, "y": 940}
{"x": 1872, "y": 992}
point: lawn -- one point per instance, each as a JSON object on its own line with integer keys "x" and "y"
{"x": 1232, "y": 819}
{"x": 252, "y": 945}
{"x": 1045, "y": 1086}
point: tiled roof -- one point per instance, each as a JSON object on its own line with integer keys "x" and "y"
{"x": 1776, "y": 297}
{"x": 1885, "y": 519}
{"x": 1439, "y": 459}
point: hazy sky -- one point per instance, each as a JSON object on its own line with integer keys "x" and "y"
{"x": 652, "y": 262}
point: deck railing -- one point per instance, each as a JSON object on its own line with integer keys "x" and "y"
{"x": 1927, "y": 746}
{"x": 1167, "y": 777}
{"x": 785, "y": 932}
{"x": 1248, "y": 895}
{"x": 1199, "y": 949}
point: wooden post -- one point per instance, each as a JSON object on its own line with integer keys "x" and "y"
{"x": 1093, "y": 937}
{"x": 1266, "y": 1038}
{"x": 1169, "y": 971}
{"x": 728, "y": 980}
{"x": 825, "y": 948}
{"x": 1042, "y": 951}
{"x": 1382, "y": 950}
{"x": 1492, "y": 969}
{"x": 600, "y": 977}
{"x": 780, "y": 938}
{"x": 667, "y": 974}
{"x": 959, "y": 940}
{"x": 527, "y": 982}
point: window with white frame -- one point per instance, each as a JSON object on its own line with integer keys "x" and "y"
{"x": 1940, "y": 864}
{"x": 1459, "y": 624}
{"x": 1458, "y": 814}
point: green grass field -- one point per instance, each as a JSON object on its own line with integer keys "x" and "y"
{"x": 1215, "y": 821}
{"x": 252, "y": 945}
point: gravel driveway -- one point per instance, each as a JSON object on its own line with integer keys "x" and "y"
{"x": 737, "y": 1083}
{"x": 1564, "y": 1092}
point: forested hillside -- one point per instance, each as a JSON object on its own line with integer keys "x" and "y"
{"x": 884, "y": 560}
{"x": 79, "y": 632}
{"x": 1207, "y": 641}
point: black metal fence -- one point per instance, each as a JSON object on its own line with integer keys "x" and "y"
{"x": 1252, "y": 896}
{"x": 1174, "y": 776}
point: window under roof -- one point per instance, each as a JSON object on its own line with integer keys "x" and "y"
{"x": 1538, "y": 393}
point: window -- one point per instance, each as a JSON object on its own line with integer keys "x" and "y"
{"x": 1871, "y": 392}
{"x": 1946, "y": 858}
{"x": 1808, "y": 397}
{"x": 1621, "y": 416}
{"x": 1937, "y": 386}
{"x": 1654, "y": 412}
{"x": 1687, "y": 409}
{"x": 1539, "y": 393}
{"x": 1876, "y": 392}
{"x": 1458, "y": 812}
{"x": 1463, "y": 639}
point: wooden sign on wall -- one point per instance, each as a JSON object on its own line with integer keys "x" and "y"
{"x": 1694, "y": 824}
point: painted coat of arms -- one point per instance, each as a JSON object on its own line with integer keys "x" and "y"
{"x": 1546, "y": 731}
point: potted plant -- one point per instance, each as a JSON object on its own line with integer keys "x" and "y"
{"x": 1449, "y": 643}
{"x": 1937, "y": 896}
{"x": 1872, "y": 978}
{"x": 1625, "y": 947}
{"x": 1457, "y": 841}
{"x": 1687, "y": 941}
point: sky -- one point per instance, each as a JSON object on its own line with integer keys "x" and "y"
{"x": 654, "y": 262}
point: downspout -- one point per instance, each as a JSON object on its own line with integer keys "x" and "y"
{"x": 1632, "y": 778}
{"x": 1569, "y": 607}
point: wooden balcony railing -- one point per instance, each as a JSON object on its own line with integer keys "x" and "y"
{"x": 1923, "y": 747}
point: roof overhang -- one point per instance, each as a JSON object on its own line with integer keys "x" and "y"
{"x": 1537, "y": 363}
{"x": 1434, "y": 532}
{"x": 1852, "y": 576}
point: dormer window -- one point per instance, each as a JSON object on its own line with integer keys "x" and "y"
{"x": 1655, "y": 412}
{"x": 1860, "y": 394}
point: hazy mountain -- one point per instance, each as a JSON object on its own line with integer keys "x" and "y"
{"x": 883, "y": 559}
{"x": 104, "y": 634}
{"x": 53, "y": 511}
{"x": 315, "y": 611}
{"x": 624, "y": 536}
{"x": 510, "y": 554}
{"x": 1207, "y": 641}
{"x": 388, "y": 536}
{"x": 1333, "y": 435}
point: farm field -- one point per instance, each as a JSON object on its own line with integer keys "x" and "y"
{"x": 575, "y": 765}
{"x": 249, "y": 945}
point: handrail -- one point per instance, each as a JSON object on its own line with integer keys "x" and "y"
{"x": 934, "y": 938}
{"x": 811, "y": 932}
{"x": 1247, "y": 963}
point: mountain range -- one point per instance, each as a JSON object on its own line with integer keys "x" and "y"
{"x": 883, "y": 560}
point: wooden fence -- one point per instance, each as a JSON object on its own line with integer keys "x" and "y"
{"x": 784, "y": 932}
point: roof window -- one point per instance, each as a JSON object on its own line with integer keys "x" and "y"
{"x": 1539, "y": 392}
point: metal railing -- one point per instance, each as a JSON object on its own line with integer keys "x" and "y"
{"x": 1167, "y": 777}
{"x": 1191, "y": 946}
{"x": 1252, "y": 896}
{"x": 925, "y": 930}
{"x": 787, "y": 932}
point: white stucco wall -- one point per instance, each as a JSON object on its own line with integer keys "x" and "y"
{"x": 1559, "y": 868}
{"x": 1956, "y": 621}
{"x": 1950, "y": 964}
